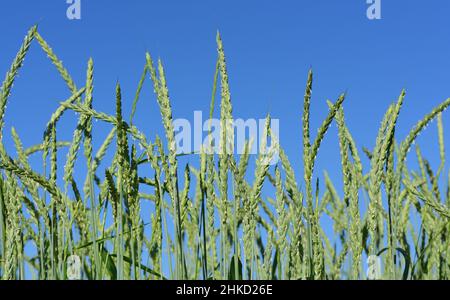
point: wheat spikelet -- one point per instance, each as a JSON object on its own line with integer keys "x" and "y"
{"x": 7, "y": 84}
{"x": 56, "y": 62}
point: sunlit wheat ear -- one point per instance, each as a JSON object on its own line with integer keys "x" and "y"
{"x": 22, "y": 158}
{"x": 374, "y": 188}
{"x": 166, "y": 114}
{"x": 87, "y": 132}
{"x": 40, "y": 147}
{"x": 138, "y": 93}
{"x": 211, "y": 210}
{"x": 441, "y": 142}
{"x": 73, "y": 150}
{"x": 62, "y": 108}
{"x": 5, "y": 90}
{"x": 433, "y": 181}
{"x": 268, "y": 256}
{"x": 59, "y": 112}
{"x": 33, "y": 205}
{"x": 12, "y": 250}
{"x": 226, "y": 117}
{"x": 131, "y": 129}
{"x": 305, "y": 116}
{"x": 351, "y": 183}
{"x": 122, "y": 164}
{"x": 251, "y": 204}
{"x": 355, "y": 155}
{"x": 36, "y": 208}
{"x": 84, "y": 126}
{"x": 56, "y": 62}
{"x": 307, "y": 173}
{"x": 343, "y": 146}
{"x": 113, "y": 195}
{"x": 54, "y": 155}
{"x": 185, "y": 196}
{"x": 381, "y": 154}
{"x": 437, "y": 206}
{"x": 309, "y": 162}
{"x": 226, "y": 145}
{"x": 324, "y": 128}
{"x": 162, "y": 97}
{"x": 417, "y": 129}
{"x": 386, "y": 157}
{"x": 31, "y": 175}
{"x": 101, "y": 152}
{"x": 282, "y": 216}
{"x": 226, "y": 136}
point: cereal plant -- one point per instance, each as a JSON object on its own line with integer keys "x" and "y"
{"x": 208, "y": 220}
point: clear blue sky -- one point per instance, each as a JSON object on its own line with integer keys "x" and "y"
{"x": 270, "y": 45}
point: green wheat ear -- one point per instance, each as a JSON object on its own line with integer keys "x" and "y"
{"x": 131, "y": 218}
{"x": 417, "y": 129}
{"x": 5, "y": 90}
{"x": 56, "y": 62}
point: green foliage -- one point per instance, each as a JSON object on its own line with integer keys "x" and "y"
{"x": 222, "y": 224}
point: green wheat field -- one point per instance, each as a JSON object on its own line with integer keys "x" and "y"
{"x": 214, "y": 223}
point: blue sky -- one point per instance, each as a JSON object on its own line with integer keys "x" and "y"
{"x": 270, "y": 45}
